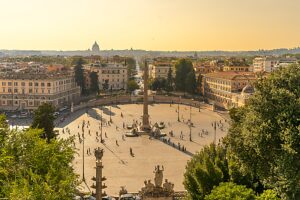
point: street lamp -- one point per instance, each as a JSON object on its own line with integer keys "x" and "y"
{"x": 215, "y": 133}
{"x": 101, "y": 125}
{"x": 83, "y": 177}
{"x": 190, "y": 123}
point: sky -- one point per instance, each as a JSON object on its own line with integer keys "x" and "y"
{"x": 182, "y": 25}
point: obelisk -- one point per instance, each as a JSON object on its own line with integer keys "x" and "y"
{"x": 146, "y": 126}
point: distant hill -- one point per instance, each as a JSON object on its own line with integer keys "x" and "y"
{"x": 138, "y": 53}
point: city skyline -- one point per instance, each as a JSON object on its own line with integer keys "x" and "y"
{"x": 193, "y": 25}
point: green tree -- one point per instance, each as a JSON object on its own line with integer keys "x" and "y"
{"x": 231, "y": 191}
{"x": 183, "y": 68}
{"x": 158, "y": 84}
{"x": 205, "y": 170}
{"x": 199, "y": 84}
{"x": 264, "y": 136}
{"x": 169, "y": 82}
{"x": 79, "y": 77}
{"x": 44, "y": 119}
{"x": 190, "y": 82}
{"x": 105, "y": 85}
{"x": 94, "y": 82}
{"x": 36, "y": 169}
{"x": 132, "y": 85}
{"x": 268, "y": 195}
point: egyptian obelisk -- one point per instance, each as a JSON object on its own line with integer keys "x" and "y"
{"x": 146, "y": 125}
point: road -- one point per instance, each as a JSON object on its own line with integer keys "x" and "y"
{"x": 138, "y": 77}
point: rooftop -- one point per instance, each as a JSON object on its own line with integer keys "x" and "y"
{"x": 230, "y": 75}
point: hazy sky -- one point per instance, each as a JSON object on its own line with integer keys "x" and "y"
{"x": 149, "y": 24}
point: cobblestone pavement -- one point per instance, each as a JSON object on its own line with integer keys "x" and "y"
{"x": 122, "y": 169}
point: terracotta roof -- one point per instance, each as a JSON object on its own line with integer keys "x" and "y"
{"x": 230, "y": 75}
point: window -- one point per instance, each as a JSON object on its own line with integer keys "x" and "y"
{"x": 43, "y": 84}
{"x": 30, "y": 91}
{"x": 9, "y": 90}
{"x": 9, "y": 83}
{"x": 23, "y": 84}
{"x": 30, "y": 83}
{"x": 3, "y": 89}
{"x": 15, "y": 90}
{"x": 15, "y": 83}
{"x": 3, "y": 83}
{"x": 36, "y": 84}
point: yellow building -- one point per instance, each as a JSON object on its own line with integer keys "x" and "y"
{"x": 236, "y": 68}
{"x": 19, "y": 91}
{"x": 224, "y": 88}
{"x": 161, "y": 70}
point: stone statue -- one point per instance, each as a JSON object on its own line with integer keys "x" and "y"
{"x": 122, "y": 191}
{"x": 158, "y": 176}
{"x": 168, "y": 186}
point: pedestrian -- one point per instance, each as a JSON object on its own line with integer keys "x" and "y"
{"x": 105, "y": 134}
{"x": 117, "y": 143}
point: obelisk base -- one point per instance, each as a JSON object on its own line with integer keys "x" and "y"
{"x": 146, "y": 126}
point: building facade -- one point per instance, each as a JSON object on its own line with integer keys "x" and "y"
{"x": 110, "y": 75}
{"x": 25, "y": 91}
{"x": 236, "y": 68}
{"x": 224, "y": 89}
{"x": 160, "y": 70}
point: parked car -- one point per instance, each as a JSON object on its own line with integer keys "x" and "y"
{"x": 14, "y": 116}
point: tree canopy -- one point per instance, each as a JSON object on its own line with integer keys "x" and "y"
{"x": 44, "y": 119}
{"x": 32, "y": 168}
{"x": 205, "y": 170}
{"x": 265, "y": 135}
{"x": 79, "y": 78}
{"x": 94, "y": 82}
{"x": 185, "y": 79}
{"x": 231, "y": 191}
{"x": 132, "y": 85}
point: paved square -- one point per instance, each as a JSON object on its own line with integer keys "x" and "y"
{"x": 122, "y": 169}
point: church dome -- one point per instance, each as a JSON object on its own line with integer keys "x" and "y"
{"x": 247, "y": 90}
{"x": 95, "y": 47}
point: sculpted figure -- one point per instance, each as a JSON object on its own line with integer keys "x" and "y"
{"x": 158, "y": 176}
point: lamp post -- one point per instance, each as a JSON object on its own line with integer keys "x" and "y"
{"x": 101, "y": 125}
{"x": 190, "y": 123}
{"x": 215, "y": 131}
{"x": 83, "y": 177}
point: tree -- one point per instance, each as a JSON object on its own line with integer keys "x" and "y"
{"x": 268, "y": 195}
{"x": 199, "y": 84}
{"x": 105, "y": 85}
{"x": 183, "y": 68}
{"x": 158, "y": 84}
{"x": 36, "y": 169}
{"x": 169, "y": 82}
{"x": 190, "y": 82}
{"x": 132, "y": 85}
{"x": 205, "y": 170}
{"x": 231, "y": 191}
{"x": 44, "y": 119}
{"x": 79, "y": 77}
{"x": 94, "y": 82}
{"x": 264, "y": 136}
